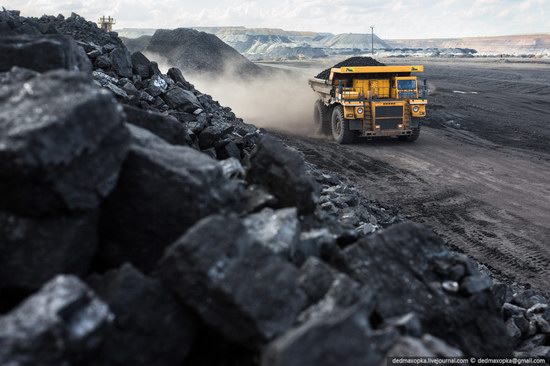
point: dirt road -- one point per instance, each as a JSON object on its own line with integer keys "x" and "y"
{"x": 488, "y": 199}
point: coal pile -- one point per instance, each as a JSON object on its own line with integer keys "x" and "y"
{"x": 351, "y": 62}
{"x": 136, "y": 44}
{"x": 199, "y": 52}
{"x": 143, "y": 223}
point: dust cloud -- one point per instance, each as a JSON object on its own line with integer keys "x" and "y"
{"x": 279, "y": 99}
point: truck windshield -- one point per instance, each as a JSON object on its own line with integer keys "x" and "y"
{"x": 406, "y": 84}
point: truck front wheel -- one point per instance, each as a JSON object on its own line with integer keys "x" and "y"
{"x": 322, "y": 118}
{"x": 413, "y": 137}
{"x": 340, "y": 127}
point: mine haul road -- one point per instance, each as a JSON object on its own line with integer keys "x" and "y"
{"x": 479, "y": 175}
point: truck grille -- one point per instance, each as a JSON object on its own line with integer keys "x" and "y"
{"x": 389, "y": 117}
{"x": 389, "y": 111}
{"x": 389, "y": 124}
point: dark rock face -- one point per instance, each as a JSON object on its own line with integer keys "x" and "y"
{"x": 211, "y": 134}
{"x": 177, "y": 76}
{"x": 316, "y": 279}
{"x": 408, "y": 267}
{"x": 42, "y": 53}
{"x": 32, "y": 251}
{"x": 182, "y": 100}
{"x": 121, "y": 62}
{"x": 162, "y": 191}
{"x": 252, "y": 293}
{"x": 58, "y": 151}
{"x": 282, "y": 171}
{"x": 141, "y": 65}
{"x": 277, "y": 230}
{"x": 341, "y": 339}
{"x": 150, "y": 326}
{"x": 62, "y": 323}
{"x": 166, "y": 127}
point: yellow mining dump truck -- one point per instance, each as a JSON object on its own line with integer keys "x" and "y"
{"x": 370, "y": 101}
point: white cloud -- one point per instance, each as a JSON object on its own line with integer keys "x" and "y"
{"x": 392, "y": 18}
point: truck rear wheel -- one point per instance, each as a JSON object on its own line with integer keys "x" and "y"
{"x": 340, "y": 127}
{"x": 322, "y": 118}
{"x": 413, "y": 137}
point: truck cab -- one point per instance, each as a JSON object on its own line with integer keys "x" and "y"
{"x": 371, "y": 101}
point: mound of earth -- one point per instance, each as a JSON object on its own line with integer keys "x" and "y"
{"x": 194, "y": 51}
{"x": 136, "y": 44}
{"x": 352, "y": 61}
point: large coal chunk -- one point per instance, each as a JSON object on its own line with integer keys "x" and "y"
{"x": 277, "y": 230}
{"x": 181, "y": 99}
{"x": 61, "y": 324}
{"x": 166, "y": 127}
{"x": 150, "y": 326}
{"x": 177, "y": 76}
{"x": 243, "y": 289}
{"x": 121, "y": 62}
{"x": 62, "y": 142}
{"x": 283, "y": 172}
{"x": 411, "y": 270}
{"x": 343, "y": 338}
{"x": 141, "y": 65}
{"x": 211, "y": 134}
{"x": 33, "y": 250}
{"x": 162, "y": 191}
{"x": 43, "y": 53}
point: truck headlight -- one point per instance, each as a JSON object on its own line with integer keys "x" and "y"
{"x": 416, "y": 109}
{"x": 360, "y": 111}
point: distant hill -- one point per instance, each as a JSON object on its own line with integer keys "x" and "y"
{"x": 135, "y": 32}
{"x": 352, "y": 41}
{"x": 514, "y": 45}
{"x": 277, "y": 44}
{"x": 273, "y": 44}
{"x": 194, "y": 51}
{"x": 136, "y": 44}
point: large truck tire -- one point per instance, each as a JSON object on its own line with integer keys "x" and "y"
{"x": 413, "y": 137}
{"x": 340, "y": 127}
{"x": 322, "y": 118}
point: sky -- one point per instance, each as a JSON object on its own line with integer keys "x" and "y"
{"x": 391, "y": 18}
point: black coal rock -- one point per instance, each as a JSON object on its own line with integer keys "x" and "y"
{"x": 400, "y": 269}
{"x": 121, "y": 62}
{"x": 150, "y": 326}
{"x": 103, "y": 62}
{"x": 33, "y": 250}
{"x": 340, "y": 339}
{"x": 61, "y": 324}
{"x": 226, "y": 149}
{"x": 141, "y": 65}
{"x": 43, "y": 53}
{"x": 246, "y": 291}
{"x": 163, "y": 190}
{"x": 211, "y": 134}
{"x": 283, "y": 172}
{"x": 62, "y": 141}
{"x": 316, "y": 279}
{"x": 181, "y": 99}
{"x": 166, "y": 127}
{"x": 177, "y": 76}
{"x": 277, "y": 230}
